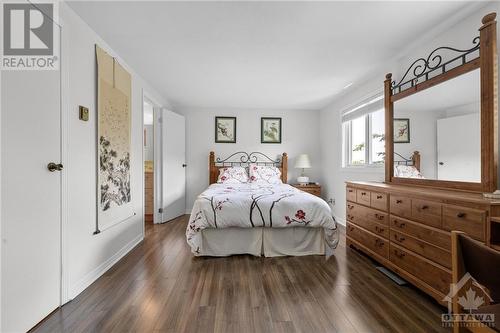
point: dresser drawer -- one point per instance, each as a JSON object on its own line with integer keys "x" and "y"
{"x": 377, "y": 228}
{"x": 378, "y": 201}
{"x": 350, "y": 194}
{"x": 369, "y": 240}
{"x": 426, "y": 250}
{"x": 357, "y": 212}
{"x": 400, "y": 206}
{"x": 432, "y": 274}
{"x": 469, "y": 220}
{"x": 363, "y": 197}
{"x": 431, "y": 235}
{"x": 427, "y": 212}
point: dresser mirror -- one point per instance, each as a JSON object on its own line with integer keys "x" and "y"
{"x": 442, "y": 116}
{"x": 443, "y": 126}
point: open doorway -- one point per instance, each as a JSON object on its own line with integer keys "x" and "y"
{"x": 149, "y": 158}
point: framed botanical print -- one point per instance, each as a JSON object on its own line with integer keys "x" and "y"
{"x": 401, "y": 130}
{"x": 225, "y": 129}
{"x": 270, "y": 130}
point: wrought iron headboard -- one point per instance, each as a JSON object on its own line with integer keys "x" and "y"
{"x": 242, "y": 158}
{"x": 434, "y": 64}
{"x": 412, "y": 160}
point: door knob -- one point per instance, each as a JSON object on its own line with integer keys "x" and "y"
{"x": 441, "y": 163}
{"x": 184, "y": 165}
{"x": 54, "y": 167}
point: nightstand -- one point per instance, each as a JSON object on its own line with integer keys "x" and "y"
{"x": 309, "y": 188}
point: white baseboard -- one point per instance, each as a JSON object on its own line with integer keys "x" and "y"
{"x": 90, "y": 278}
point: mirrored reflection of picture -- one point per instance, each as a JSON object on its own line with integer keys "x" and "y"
{"x": 270, "y": 130}
{"x": 225, "y": 129}
{"x": 401, "y": 130}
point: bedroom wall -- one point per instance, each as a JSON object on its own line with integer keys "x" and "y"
{"x": 88, "y": 255}
{"x": 458, "y": 30}
{"x": 299, "y": 135}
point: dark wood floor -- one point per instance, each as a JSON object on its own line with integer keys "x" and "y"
{"x": 161, "y": 287}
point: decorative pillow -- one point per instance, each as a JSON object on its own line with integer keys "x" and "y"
{"x": 407, "y": 171}
{"x": 234, "y": 175}
{"x": 264, "y": 174}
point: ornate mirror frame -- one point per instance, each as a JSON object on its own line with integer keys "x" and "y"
{"x": 423, "y": 78}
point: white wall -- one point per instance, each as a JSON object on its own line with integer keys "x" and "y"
{"x": 299, "y": 135}
{"x": 458, "y": 35}
{"x": 423, "y": 138}
{"x": 90, "y": 255}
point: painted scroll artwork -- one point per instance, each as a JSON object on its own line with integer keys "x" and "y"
{"x": 114, "y": 109}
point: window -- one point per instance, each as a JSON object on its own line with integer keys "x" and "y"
{"x": 364, "y": 139}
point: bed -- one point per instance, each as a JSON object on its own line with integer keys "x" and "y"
{"x": 407, "y": 167}
{"x": 261, "y": 216}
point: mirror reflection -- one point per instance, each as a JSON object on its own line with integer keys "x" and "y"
{"x": 437, "y": 132}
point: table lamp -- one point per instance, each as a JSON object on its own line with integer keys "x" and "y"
{"x": 302, "y": 162}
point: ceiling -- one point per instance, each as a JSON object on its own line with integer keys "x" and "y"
{"x": 272, "y": 55}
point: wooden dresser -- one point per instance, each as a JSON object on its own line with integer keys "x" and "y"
{"x": 407, "y": 229}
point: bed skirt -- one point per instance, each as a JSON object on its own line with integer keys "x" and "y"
{"x": 268, "y": 242}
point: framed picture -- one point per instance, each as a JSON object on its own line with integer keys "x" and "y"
{"x": 270, "y": 130}
{"x": 401, "y": 130}
{"x": 225, "y": 129}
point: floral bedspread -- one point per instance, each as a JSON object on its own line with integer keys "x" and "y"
{"x": 258, "y": 205}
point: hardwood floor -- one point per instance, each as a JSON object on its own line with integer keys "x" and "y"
{"x": 161, "y": 287}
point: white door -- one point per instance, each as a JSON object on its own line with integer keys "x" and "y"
{"x": 174, "y": 167}
{"x": 459, "y": 148}
{"x": 31, "y": 198}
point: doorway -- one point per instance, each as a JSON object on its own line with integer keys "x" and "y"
{"x": 149, "y": 161}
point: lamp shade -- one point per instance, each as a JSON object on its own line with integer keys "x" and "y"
{"x": 302, "y": 162}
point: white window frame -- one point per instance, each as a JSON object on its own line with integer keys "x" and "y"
{"x": 347, "y": 144}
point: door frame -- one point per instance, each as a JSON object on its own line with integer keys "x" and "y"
{"x": 65, "y": 109}
{"x": 147, "y": 97}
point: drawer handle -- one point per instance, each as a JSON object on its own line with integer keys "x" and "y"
{"x": 363, "y": 193}
{"x": 461, "y": 215}
{"x": 350, "y": 191}
{"x": 379, "y": 217}
{"x": 379, "y": 197}
{"x": 351, "y": 228}
{"x": 399, "y": 239}
{"x": 399, "y": 254}
{"x": 379, "y": 242}
{"x": 350, "y": 206}
{"x": 399, "y": 225}
{"x": 425, "y": 207}
{"x": 399, "y": 201}
{"x": 379, "y": 230}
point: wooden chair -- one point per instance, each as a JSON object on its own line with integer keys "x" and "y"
{"x": 483, "y": 265}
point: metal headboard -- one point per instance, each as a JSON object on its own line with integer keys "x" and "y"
{"x": 412, "y": 160}
{"x": 244, "y": 159}
{"x": 247, "y": 158}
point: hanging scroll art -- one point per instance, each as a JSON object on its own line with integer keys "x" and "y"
{"x": 113, "y": 142}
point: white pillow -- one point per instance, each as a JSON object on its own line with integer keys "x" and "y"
{"x": 407, "y": 171}
{"x": 264, "y": 174}
{"x": 232, "y": 175}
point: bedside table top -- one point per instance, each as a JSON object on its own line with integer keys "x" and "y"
{"x": 306, "y": 185}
